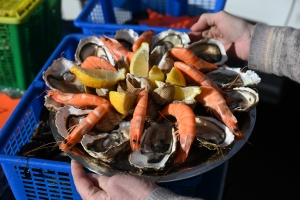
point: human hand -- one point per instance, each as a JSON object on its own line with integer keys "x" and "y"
{"x": 121, "y": 186}
{"x": 234, "y": 33}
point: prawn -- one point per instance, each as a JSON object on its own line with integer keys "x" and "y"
{"x": 138, "y": 120}
{"x": 146, "y": 36}
{"x": 197, "y": 76}
{"x": 84, "y": 127}
{"x": 116, "y": 49}
{"x": 214, "y": 102}
{"x": 186, "y": 124}
{"x": 96, "y": 62}
{"x": 189, "y": 57}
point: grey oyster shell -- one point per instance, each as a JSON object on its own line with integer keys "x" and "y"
{"x": 58, "y": 77}
{"x": 210, "y": 50}
{"x": 212, "y": 134}
{"x": 226, "y": 77}
{"x": 158, "y": 147}
{"x": 241, "y": 99}
{"x": 92, "y": 46}
{"x": 170, "y": 38}
{"x": 108, "y": 146}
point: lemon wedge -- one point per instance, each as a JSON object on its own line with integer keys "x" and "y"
{"x": 176, "y": 77}
{"x": 98, "y": 78}
{"x": 155, "y": 74}
{"x": 139, "y": 65}
{"x": 122, "y": 102}
{"x": 186, "y": 93}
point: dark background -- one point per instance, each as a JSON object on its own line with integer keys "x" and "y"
{"x": 268, "y": 168}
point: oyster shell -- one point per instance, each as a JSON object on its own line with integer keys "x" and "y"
{"x": 92, "y": 46}
{"x": 68, "y": 116}
{"x": 108, "y": 146}
{"x": 235, "y": 77}
{"x": 212, "y": 133}
{"x": 241, "y": 99}
{"x": 158, "y": 147}
{"x": 170, "y": 38}
{"x": 210, "y": 50}
{"x": 58, "y": 77}
{"x": 126, "y": 37}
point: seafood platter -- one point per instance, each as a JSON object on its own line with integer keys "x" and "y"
{"x": 152, "y": 104}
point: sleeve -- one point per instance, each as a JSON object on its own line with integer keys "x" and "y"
{"x": 162, "y": 193}
{"x": 275, "y": 50}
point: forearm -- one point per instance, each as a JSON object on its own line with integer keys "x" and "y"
{"x": 275, "y": 50}
{"x": 162, "y": 193}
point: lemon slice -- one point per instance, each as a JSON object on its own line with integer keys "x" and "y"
{"x": 186, "y": 93}
{"x": 98, "y": 78}
{"x": 139, "y": 65}
{"x": 155, "y": 74}
{"x": 122, "y": 102}
{"x": 176, "y": 77}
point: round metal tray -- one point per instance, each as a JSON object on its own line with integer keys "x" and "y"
{"x": 246, "y": 123}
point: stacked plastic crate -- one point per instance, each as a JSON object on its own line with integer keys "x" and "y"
{"x": 26, "y": 39}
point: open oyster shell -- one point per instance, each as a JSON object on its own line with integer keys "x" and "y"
{"x": 170, "y": 38}
{"x": 241, "y": 99}
{"x": 126, "y": 37}
{"x": 92, "y": 46}
{"x": 210, "y": 50}
{"x": 58, "y": 77}
{"x": 158, "y": 147}
{"x": 68, "y": 116}
{"x": 212, "y": 134}
{"x": 107, "y": 146}
{"x": 234, "y": 77}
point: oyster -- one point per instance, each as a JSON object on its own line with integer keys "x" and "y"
{"x": 170, "y": 38}
{"x": 212, "y": 133}
{"x": 58, "y": 77}
{"x": 68, "y": 116}
{"x": 108, "y": 146}
{"x": 210, "y": 50}
{"x": 158, "y": 147}
{"x": 126, "y": 37}
{"x": 92, "y": 46}
{"x": 235, "y": 77}
{"x": 241, "y": 99}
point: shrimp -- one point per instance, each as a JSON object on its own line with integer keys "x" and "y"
{"x": 196, "y": 76}
{"x": 189, "y": 57}
{"x": 146, "y": 36}
{"x": 138, "y": 120}
{"x": 84, "y": 127}
{"x": 116, "y": 49}
{"x": 96, "y": 62}
{"x": 214, "y": 102}
{"x": 186, "y": 124}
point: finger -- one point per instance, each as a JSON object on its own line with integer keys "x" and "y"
{"x": 204, "y": 22}
{"x": 101, "y": 181}
{"x": 98, "y": 180}
{"x": 84, "y": 186}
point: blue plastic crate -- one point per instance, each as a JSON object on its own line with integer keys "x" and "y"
{"x": 105, "y": 17}
{"x": 48, "y": 179}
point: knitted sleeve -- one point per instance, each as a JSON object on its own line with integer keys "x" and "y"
{"x": 162, "y": 193}
{"x": 275, "y": 50}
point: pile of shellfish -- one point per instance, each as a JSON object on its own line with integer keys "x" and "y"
{"x": 163, "y": 139}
